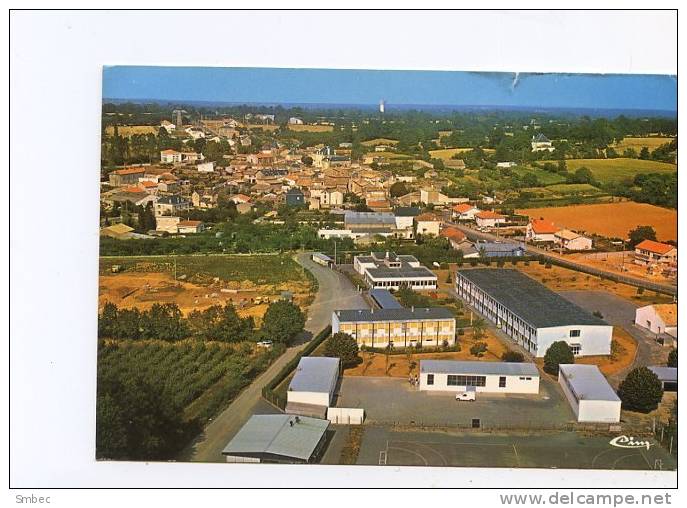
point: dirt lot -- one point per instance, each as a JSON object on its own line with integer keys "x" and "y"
{"x": 611, "y": 219}
{"x": 142, "y": 290}
{"x": 562, "y": 279}
{"x": 130, "y": 130}
{"x": 400, "y": 365}
{"x": 619, "y": 262}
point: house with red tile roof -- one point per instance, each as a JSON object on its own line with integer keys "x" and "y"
{"x": 464, "y": 211}
{"x": 489, "y": 219}
{"x": 190, "y": 226}
{"x": 541, "y": 230}
{"x": 649, "y": 252}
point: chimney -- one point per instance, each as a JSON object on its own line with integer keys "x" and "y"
{"x": 372, "y": 310}
{"x": 412, "y": 308}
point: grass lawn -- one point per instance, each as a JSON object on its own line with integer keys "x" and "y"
{"x": 608, "y": 170}
{"x": 545, "y": 178}
{"x": 447, "y": 153}
{"x": 260, "y": 269}
{"x": 573, "y": 188}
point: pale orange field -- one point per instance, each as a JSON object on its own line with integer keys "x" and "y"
{"x": 311, "y": 128}
{"x": 611, "y": 219}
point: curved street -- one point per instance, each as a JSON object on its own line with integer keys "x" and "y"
{"x": 335, "y": 291}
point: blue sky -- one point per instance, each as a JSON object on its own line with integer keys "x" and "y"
{"x": 271, "y": 85}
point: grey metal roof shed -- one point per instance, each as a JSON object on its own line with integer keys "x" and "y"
{"x": 281, "y": 438}
{"x": 315, "y": 374}
{"x": 587, "y": 382}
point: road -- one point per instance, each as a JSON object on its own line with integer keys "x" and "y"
{"x": 633, "y": 281}
{"x": 335, "y": 292}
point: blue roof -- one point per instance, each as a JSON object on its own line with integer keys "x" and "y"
{"x": 385, "y": 299}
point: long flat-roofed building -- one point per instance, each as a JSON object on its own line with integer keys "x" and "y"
{"x": 589, "y": 394}
{"x": 311, "y": 390}
{"x": 278, "y": 439}
{"x": 401, "y": 327}
{"x": 387, "y": 270}
{"x": 488, "y": 377}
{"x": 531, "y": 314}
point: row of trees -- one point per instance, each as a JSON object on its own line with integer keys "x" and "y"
{"x": 282, "y": 321}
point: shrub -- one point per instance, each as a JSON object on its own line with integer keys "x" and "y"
{"x": 478, "y": 349}
{"x": 557, "y": 354}
{"x": 641, "y": 390}
{"x": 672, "y": 358}
{"x": 343, "y": 346}
{"x": 547, "y": 266}
{"x": 598, "y": 314}
{"x": 512, "y": 356}
{"x": 640, "y": 291}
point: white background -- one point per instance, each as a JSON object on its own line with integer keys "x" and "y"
{"x": 55, "y": 86}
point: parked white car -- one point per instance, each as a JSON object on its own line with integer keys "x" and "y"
{"x": 469, "y": 394}
{"x": 264, "y": 343}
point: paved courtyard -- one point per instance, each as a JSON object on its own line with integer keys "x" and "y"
{"x": 395, "y": 401}
{"x": 382, "y": 446}
{"x": 620, "y": 312}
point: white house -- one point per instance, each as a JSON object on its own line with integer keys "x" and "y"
{"x": 464, "y": 211}
{"x": 386, "y": 270}
{"x": 541, "y": 230}
{"x": 590, "y": 396}
{"x": 509, "y": 164}
{"x": 569, "y": 240}
{"x": 487, "y": 377}
{"x": 311, "y": 390}
{"x": 190, "y": 226}
{"x": 168, "y": 224}
{"x": 427, "y": 224}
{"x": 488, "y": 219}
{"x": 195, "y": 132}
{"x": 295, "y": 121}
{"x": 531, "y": 314}
{"x": 650, "y": 253}
{"x": 206, "y": 167}
{"x": 170, "y": 156}
{"x": 168, "y": 126}
{"x": 541, "y": 143}
{"x": 660, "y": 318}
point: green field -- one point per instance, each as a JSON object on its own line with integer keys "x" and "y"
{"x": 545, "y": 178}
{"x": 260, "y": 269}
{"x": 616, "y": 170}
{"x": 573, "y": 188}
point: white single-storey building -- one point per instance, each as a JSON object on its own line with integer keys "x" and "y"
{"x": 570, "y": 240}
{"x": 531, "y": 314}
{"x": 667, "y": 376}
{"x": 312, "y": 388}
{"x": 591, "y": 397}
{"x": 488, "y": 377}
{"x": 277, "y": 438}
{"x": 489, "y": 219}
{"x": 660, "y": 318}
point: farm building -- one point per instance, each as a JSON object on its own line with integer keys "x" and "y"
{"x": 400, "y": 327}
{"x": 569, "y": 240}
{"x": 387, "y": 270}
{"x": 488, "y": 219}
{"x": 531, "y": 314}
{"x": 277, "y": 438}
{"x": 540, "y": 230}
{"x": 667, "y": 376}
{"x": 591, "y": 397}
{"x": 126, "y": 176}
{"x": 499, "y": 249}
{"x": 660, "y": 318}
{"x": 118, "y": 231}
{"x": 384, "y": 299}
{"x": 311, "y": 390}
{"x": 488, "y": 377}
{"x": 649, "y": 253}
{"x": 322, "y": 259}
